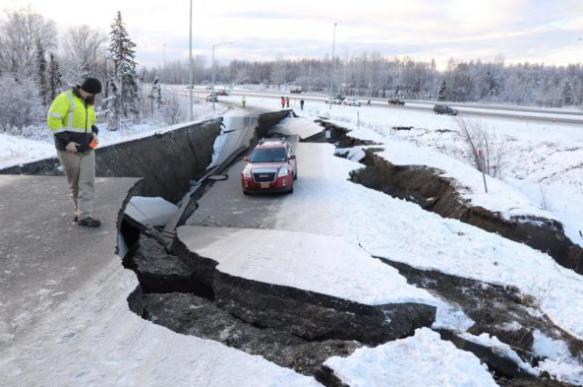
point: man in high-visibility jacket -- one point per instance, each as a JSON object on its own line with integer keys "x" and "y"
{"x": 71, "y": 118}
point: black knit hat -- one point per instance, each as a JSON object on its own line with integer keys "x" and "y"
{"x": 91, "y": 85}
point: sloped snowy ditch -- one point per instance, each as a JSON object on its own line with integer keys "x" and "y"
{"x": 395, "y": 169}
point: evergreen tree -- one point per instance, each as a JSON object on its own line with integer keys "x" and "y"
{"x": 41, "y": 76}
{"x": 55, "y": 77}
{"x": 441, "y": 96}
{"x": 568, "y": 94}
{"x": 122, "y": 54}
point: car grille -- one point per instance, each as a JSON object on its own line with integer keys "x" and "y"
{"x": 264, "y": 177}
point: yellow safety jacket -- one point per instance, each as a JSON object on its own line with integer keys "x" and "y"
{"x": 70, "y": 118}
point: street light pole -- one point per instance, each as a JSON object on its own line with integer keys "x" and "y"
{"x": 213, "y": 61}
{"x": 213, "y": 66}
{"x": 333, "y": 64}
{"x": 190, "y": 76}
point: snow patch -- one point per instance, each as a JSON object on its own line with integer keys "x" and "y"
{"x": 421, "y": 360}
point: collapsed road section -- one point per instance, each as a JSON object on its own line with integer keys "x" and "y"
{"x": 294, "y": 298}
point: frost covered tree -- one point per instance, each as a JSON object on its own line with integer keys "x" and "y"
{"x": 55, "y": 78}
{"x": 83, "y": 52}
{"x": 20, "y": 32}
{"x": 41, "y": 76}
{"x": 125, "y": 79}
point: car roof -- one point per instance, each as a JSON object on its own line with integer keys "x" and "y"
{"x": 271, "y": 143}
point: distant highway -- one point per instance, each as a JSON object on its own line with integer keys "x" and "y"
{"x": 473, "y": 110}
{"x": 529, "y": 114}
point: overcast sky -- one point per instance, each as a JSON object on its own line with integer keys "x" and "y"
{"x": 546, "y": 31}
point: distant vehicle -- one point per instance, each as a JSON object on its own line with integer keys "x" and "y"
{"x": 444, "y": 109}
{"x": 351, "y": 102}
{"x": 336, "y": 100}
{"x": 396, "y": 101}
{"x": 270, "y": 167}
{"x": 222, "y": 93}
{"x": 296, "y": 90}
{"x": 212, "y": 98}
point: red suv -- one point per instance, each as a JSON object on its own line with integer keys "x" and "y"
{"x": 270, "y": 167}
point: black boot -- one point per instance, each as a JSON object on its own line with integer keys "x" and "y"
{"x": 89, "y": 222}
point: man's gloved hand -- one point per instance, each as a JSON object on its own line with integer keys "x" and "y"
{"x": 72, "y": 147}
{"x": 95, "y": 129}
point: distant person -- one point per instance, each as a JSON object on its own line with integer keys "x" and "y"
{"x": 287, "y": 102}
{"x": 243, "y": 101}
{"x": 71, "y": 119}
{"x": 282, "y": 101}
{"x": 302, "y": 104}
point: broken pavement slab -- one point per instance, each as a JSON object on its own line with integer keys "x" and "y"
{"x": 311, "y": 285}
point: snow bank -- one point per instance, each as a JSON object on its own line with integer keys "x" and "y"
{"x": 313, "y": 262}
{"x": 501, "y": 197}
{"x": 16, "y": 150}
{"x": 557, "y": 359}
{"x": 421, "y": 360}
{"x": 500, "y": 348}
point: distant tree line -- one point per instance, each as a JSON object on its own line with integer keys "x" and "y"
{"x": 377, "y": 76}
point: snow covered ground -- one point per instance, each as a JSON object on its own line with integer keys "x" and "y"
{"x": 433, "y": 362}
{"x": 38, "y": 144}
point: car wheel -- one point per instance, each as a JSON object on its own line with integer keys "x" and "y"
{"x": 246, "y": 193}
{"x": 295, "y": 176}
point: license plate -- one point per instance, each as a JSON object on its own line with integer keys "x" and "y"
{"x": 264, "y": 185}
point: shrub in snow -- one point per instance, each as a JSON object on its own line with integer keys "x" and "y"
{"x": 20, "y": 104}
{"x": 484, "y": 150}
{"x": 173, "y": 111}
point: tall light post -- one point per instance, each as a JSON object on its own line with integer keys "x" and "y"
{"x": 190, "y": 70}
{"x": 214, "y": 46}
{"x": 333, "y": 64}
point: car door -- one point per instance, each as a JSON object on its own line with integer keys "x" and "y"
{"x": 293, "y": 160}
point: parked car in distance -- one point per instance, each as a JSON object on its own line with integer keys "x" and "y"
{"x": 444, "y": 109}
{"x": 222, "y": 93}
{"x": 296, "y": 90}
{"x": 396, "y": 101}
{"x": 212, "y": 98}
{"x": 351, "y": 102}
{"x": 270, "y": 167}
{"x": 335, "y": 101}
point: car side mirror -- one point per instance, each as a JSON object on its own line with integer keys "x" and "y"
{"x": 246, "y": 159}
{"x": 292, "y": 157}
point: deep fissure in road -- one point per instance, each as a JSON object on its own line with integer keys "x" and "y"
{"x": 291, "y": 327}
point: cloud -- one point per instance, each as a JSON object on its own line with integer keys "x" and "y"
{"x": 534, "y": 30}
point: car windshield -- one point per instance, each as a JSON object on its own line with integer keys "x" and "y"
{"x": 267, "y": 155}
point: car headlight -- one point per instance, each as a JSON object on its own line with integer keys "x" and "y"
{"x": 247, "y": 172}
{"x": 282, "y": 172}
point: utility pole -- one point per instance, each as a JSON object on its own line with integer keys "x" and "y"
{"x": 213, "y": 66}
{"x": 190, "y": 75}
{"x": 333, "y": 64}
